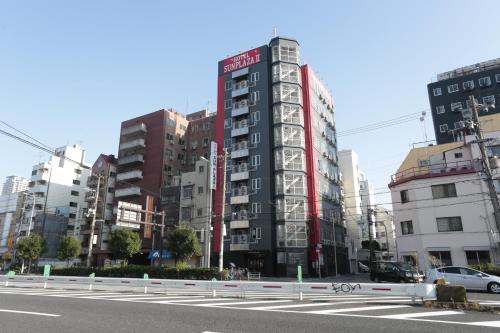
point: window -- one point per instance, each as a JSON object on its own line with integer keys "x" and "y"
{"x": 77, "y": 171}
{"x": 72, "y": 216}
{"x": 227, "y": 143}
{"x": 443, "y": 128}
{"x": 459, "y": 155}
{"x": 437, "y": 91}
{"x": 205, "y": 142}
{"x": 183, "y": 127}
{"x": 445, "y": 224}
{"x": 485, "y": 81}
{"x": 200, "y": 189}
{"x": 185, "y": 213}
{"x": 201, "y": 169}
{"x": 170, "y": 136}
{"x": 256, "y": 233}
{"x": 457, "y": 106}
{"x": 285, "y": 92}
{"x": 112, "y": 174}
{"x": 255, "y": 116}
{"x": 171, "y": 122}
{"x": 443, "y": 191}
{"x": 453, "y": 88}
{"x": 404, "y": 196}
{"x": 440, "y": 109}
{"x": 228, "y": 123}
{"x": 256, "y": 207}
{"x": 477, "y": 257}
{"x": 199, "y": 212}
{"x": 206, "y": 125}
{"x": 459, "y": 124}
{"x": 292, "y": 235}
{"x": 407, "y": 227}
{"x": 228, "y": 85}
{"x": 75, "y": 193}
{"x": 256, "y": 184}
{"x": 489, "y": 99}
{"x": 254, "y": 77}
{"x": 424, "y": 163}
{"x": 497, "y": 78}
{"x": 255, "y": 160}
{"x": 168, "y": 152}
{"x": 111, "y": 190}
{"x": 76, "y": 182}
{"x": 289, "y": 53}
{"x": 254, "y": 96}
{"x": 33, "y": 172}
{"x": 228, "y": 103}
{"x": 255, "y": 137}
{"x": 442, "y": 258}
{"x": 468, "y": 85}
{"x": 73, "y": 204}
{"x": 187, "y": 192}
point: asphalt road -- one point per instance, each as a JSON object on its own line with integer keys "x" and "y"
{"x": 63, "y": 312}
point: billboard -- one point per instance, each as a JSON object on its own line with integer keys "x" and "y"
{"x": 213, "y": 165}
{"x": 242, "y": 60}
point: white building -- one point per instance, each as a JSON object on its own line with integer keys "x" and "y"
{"x": 58, "y": 190}
{"x": 442, "y": 210}
{"x": 14, "y": 184}
{"x": 367, "y": 195}
{"x": 385, "y": 232}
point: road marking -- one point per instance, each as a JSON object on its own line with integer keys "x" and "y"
{"x": 139, "y": 299}
{"x": 189, "y": 300}
{"x": 421, "y": 314}
{"x": 346, "y": 298}
{"x": 242, "y": 303}
{"x": 486, "y": 323}
{"x": 363, "y": 308}
{"x": 103, "y": 296}
{"x": 31, "y": 313}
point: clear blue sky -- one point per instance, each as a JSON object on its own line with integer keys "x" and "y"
{"x": 70, "y": 71}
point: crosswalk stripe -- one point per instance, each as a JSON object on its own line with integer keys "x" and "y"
{"x": 101, "y": 296}
{"x": 139, "y": 299}
{"x": 243, "y": 303}
{"x": 421, "y": 314}
{"x": 363, "y": 308}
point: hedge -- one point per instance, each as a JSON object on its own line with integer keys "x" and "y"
{"x": 136, "y": 271}
{"x": 491, "y": 269}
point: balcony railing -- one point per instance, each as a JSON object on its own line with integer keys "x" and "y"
{"x": 130, "y": 175}
{"x": 129, "y": 191}
{"x": 139, "y": 128}
{"x": 243, "y": 190}
{"x": 137, "y": 143}
{"x": 240, "y": 145}
{"x": 137, "y": 158}
{"x": 241, "y": 104}
{"x": 243, "y": 167}
{"x": 239, "y": 239}
{"x": 433, "y": 170}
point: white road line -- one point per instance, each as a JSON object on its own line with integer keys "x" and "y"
{"x": 140, "y": 299}
{"x": 304, "y": 305}
{"x": 363, "y": 308}
{"x": 421, "y": 314}
{"x": 242, "y": 303}
{"x": 486, "y": 323}
{"x": 81, "y": 294}
{"x": 102, "y": 296}
{"x": 31, "y": 313}
{"x": 490, "y": 303}
{"x": 189, "y": 300}
{"x": 363, "y": 298}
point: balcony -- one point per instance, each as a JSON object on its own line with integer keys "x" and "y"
{"x": 432, "y": 171}
{"x": 239, "y": 243}
{"x": 131, "y": 159}
{"x": 240, "y": 128}
{"x": 239, "y": 196}
{"x": 126, "y": 192}
{"x": 133, "y": 144}
{"x": 238, "y": 73}
{"x": 239, "y": 89}
{"x": 240, "y": 220}
{"x": 130, "y": 175}
{"x": 134, "y": 130}
{"x": 240, "y": 172}
{"x": 239, "y": 149}
{"x": 239, "y": 111}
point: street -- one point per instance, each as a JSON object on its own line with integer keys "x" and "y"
{"x": 44, "y": 310}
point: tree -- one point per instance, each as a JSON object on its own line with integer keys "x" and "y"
{"x": 30, "y": 248}
{"x": 124, "y": 243}
{"x": 69, "y": 248}
{"x": 366, "y": 245}
{"x": 183, "y": 243}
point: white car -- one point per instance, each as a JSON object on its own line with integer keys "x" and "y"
{"x": 467, "y": 277}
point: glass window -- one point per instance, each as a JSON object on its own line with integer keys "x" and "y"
{"x": 440, "y": 109}
{"x": 289, "y": 53}
{"x": 76, "y": 182}
{"x": 453, "y": 88}
{"x": 288, "y": 113}
{"x": 437, "y": 91}
{"x": 292, "y": 235}
{"x": 285, "y": 92}
{"x": 168, "y": 152}
{"x": 489, "y": 99}
{"x": 457, "y": 106}
{"x": 443, "y": 128}
{"x": 497, "y": 78}
{"x": 228, "y": 85}
{"x": 75, "y": 193}
{"x": 477, "y": 257}
{"x": 187, "y": 192}
{"x": 228, "y": 103}
{"x": 407, "y": 227}
{"x": 200, "y": 189}
{"x": 199, "y": 212}
{"x": 449, "y": 270}
{"x": 286, "y": 72}
{"x": 404, "y": 196}
{"x": 255, "y": 160}
{"x": 73, "y": 204}
{"x": 485, "y": 81}
{"x": 443, "y": 191}
{"x": 468, "y": 85}
{"x": 185, "y": 213}
{"x": 291, "y": 209}
{"x": 446, "y": 224}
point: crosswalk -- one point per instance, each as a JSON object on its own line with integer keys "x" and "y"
{"x": 382, "y": 307}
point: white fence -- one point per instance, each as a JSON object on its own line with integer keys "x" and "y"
{"x": 419, "y": 290}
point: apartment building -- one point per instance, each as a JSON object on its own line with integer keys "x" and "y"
{"x": 201, "y": 131}
{"x": 448, "y": 96}
{"x": 275, "y": 119}
{"x": 12, "y": 203}
{"x": 14, "y": 184}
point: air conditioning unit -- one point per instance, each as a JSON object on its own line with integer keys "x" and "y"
{"x": 171, "y": 142}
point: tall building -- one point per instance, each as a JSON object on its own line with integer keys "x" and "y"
{"x": 449, "y": 95}
{"x": 442, "y": 210}
{"x": 14, "y": 184}
{"x": 57, "y": 189}
{"x": 276, "y": 120}
{"x": 200, "y": 132}
{"x": 367, "y": 195}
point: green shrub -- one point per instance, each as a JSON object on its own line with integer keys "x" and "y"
{"x": 136, "y": 271}
{"x": 488, "y": 268}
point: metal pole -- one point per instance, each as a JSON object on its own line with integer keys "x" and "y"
{"x": 31, "y": 215}
{"x": 334, "y": 243}
{"x": 162, "y": 235}
{"x": 370, "y": 238}
{"x": 92, "y": 226}
{"x": 486, "y": 163}
{"x": 221, "y": 240}
{"x": 209, "y": 220}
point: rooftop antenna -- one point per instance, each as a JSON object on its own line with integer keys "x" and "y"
{"x": 424, "y": 127}
{"x": 275, "y": 32}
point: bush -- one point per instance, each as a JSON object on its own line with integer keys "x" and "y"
{"x": 136, "y": 271}
{"x": 489, "y": 268}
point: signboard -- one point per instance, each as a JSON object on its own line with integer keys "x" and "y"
{"x": 46, "y": 270}
{"x": 242, "y": 60}
{"x": 213, "y": 165}
{"x": 155, "y": 254}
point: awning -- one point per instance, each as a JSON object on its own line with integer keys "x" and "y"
{"x": 477, "y": 248}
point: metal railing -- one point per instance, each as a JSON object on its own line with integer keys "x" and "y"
{"x": 433, "y": 170}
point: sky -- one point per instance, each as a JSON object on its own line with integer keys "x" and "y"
{"x": 71, "y": 71}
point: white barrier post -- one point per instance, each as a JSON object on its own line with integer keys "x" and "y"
{"x": 6, "y": 283}
{"x": 45, "y": 285}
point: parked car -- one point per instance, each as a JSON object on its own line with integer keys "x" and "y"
{"x": 467, "y": 277}
{"x": 363, "y": 268}
{"x": 395, "y": 272}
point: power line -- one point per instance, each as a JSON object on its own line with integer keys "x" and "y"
{"x": 19, "y": 131}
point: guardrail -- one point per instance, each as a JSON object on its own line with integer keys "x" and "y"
{"x": 419, "y": 290}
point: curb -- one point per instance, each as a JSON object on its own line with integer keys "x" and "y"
{"x": 467, "y": 306}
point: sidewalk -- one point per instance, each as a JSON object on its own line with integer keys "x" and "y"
{"x": 361, "y": 278}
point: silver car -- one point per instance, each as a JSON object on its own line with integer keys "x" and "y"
{"x": 467, "y": 277}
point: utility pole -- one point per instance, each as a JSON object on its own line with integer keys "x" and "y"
{"x": 221, "y": 240}
{"x": 334, "y": 242}
{"x": 209, "y": 220}
{"x": 485, "y": 160}
{"x": 92, "y": 225}
{"x": 162, "y": 235}
{"x": 370, "y": 238}
{"x": 29, "y": 227}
